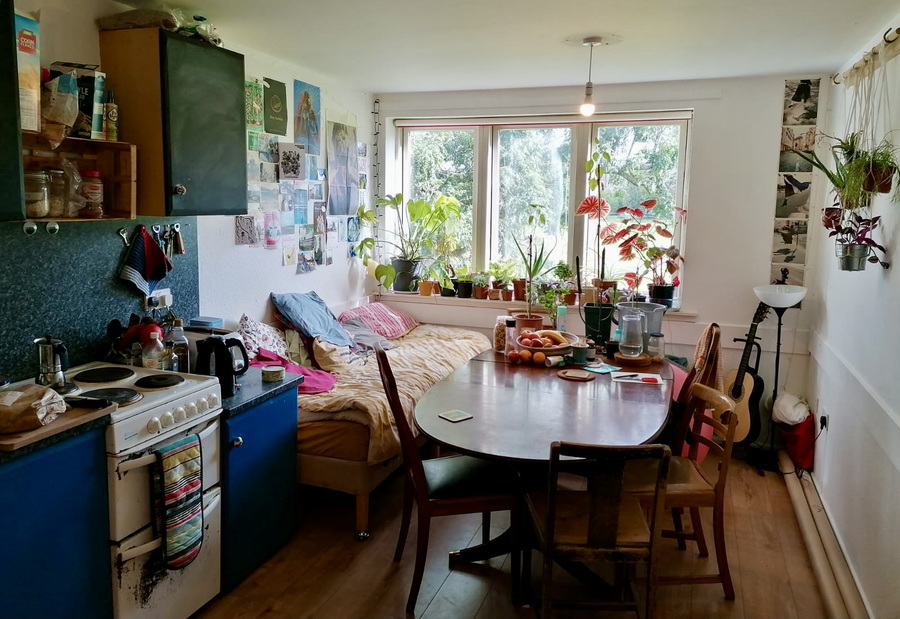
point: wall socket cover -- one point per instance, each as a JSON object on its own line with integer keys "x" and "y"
{"x": 160, "y": 299}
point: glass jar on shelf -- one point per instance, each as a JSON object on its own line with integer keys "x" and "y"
{"x": 59, "y": 192}
{"x": 92, "y": 190}
{"x": 37, "y": 194}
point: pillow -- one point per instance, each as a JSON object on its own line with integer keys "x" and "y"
{"x": 386, "y": 321}
{"x": 296, "y": 349}
{"x": 258, "y": 335}
{"x": 308, "y": 314}
{"x": 335, "y": 359}
{"x": 364, "y": 337}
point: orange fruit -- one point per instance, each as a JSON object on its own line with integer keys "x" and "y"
{"x": 525, "y": 356}
{"x": 539, "y": 358}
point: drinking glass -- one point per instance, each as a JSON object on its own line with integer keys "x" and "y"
{"x": 632, "y": 342}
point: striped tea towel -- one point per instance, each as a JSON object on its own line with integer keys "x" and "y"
{"x": 146, "y": 263}
{"x": 179, "y": 500}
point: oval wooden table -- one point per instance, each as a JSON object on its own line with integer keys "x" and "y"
{"x": 518, "y": 410}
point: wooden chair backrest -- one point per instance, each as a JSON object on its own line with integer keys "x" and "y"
{"x": 705, "y": 373}
{"x": 412, "y": 461}
{"x": 723, "y": 422}
{"x": 604, "y": 468}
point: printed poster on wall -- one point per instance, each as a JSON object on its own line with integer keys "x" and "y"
{"x": 307, "y": 115}
{"x": 275, "y": 106}
{"x": 253, "y": 105}
{"x": 343, "y": 169}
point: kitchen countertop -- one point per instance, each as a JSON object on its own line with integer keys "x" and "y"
{"x": 254, "y": 392}
{"x": 75, "y": 421}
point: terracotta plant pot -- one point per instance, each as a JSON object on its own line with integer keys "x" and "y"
{"x": 524, "y": 322}
{"x": 498, "y": 285}
{"x": 518, "y": 289}
{"x": 569, "y": 299}
{"x": 480, "y": 292}
{"x": 506, "y": 294}
{"x": 436, "y": 288}
{"x": 494, "y": 294}
{"x": 426, "y": 288}
{"x": 879, "y": 179}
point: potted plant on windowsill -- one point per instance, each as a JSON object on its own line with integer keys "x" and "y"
{"x": 417, "y": 231}
{"x": 564, "y": 276}
{"x": 464, "y": 284}
{"x": 535, "y": 263}
{"x": 502, "y": 274}
{"x": 480, "y": 285}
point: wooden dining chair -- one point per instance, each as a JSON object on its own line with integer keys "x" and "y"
{"x": 691, "y": 487}
{"x": 599, "y": 523}
{"x": 703, "y": 371}
{"x": 447, "y": 487}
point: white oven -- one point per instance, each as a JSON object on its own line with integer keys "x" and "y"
{"x": 155, "y": 409}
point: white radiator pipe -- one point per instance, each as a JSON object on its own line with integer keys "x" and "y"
{"x": 845, "y": 582}
{"x": 831, "y": 595}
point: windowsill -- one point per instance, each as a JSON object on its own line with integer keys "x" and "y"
{"x": 505, "y": 306}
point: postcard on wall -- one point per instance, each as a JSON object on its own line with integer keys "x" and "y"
{"x": 353, "y": 229}
{"x": 259, "y": 225}
{"x": 792, "y": 140}
{"x": 342, "y": 230}
{"x": 253, "y": 193}
{"x": 270, "y": 196}
{"x": 319, "y": 253}
{"x": 332, "y": 231}
{"x": 362, "y": 150}
{"x": 292, "y": 160}
{"x": 316, "y": 191}
{"x": 789, "y": 241}
{"x": 272, "y": 229}
{"x": 343, "y": 169}
{"x": 274, "y": 106}
{"x": 801, "y": 102}
{"x": 253, "y": 105}
{"x": 288, "y": 256}
{"x": 329, "y": 256}
{"x": 253, "y": 141}
{"x": 789, "y": 274}
{"x": 305, "y": 263}
{"x": 307, "y": 115}
{"x": 268, "y": 172}
{"x": 244, "y": 230}
{"x": 363, "y": 181}
{"x": 363, "y": 165}
{"x": 267, "y": 146}
{"x": 792, "y": 195}
{"x": 252, "y": 167}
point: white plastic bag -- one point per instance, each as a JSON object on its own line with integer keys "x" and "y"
{"x": 789, "y": 409}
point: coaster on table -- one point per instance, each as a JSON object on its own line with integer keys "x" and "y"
{"x": 635, "y": 362}
{"x": 576, "y": 375}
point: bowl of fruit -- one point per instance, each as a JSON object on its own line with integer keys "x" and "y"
{"x": 547, "y": 341}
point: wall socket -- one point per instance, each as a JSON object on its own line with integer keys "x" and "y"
{"x": 160, "y": 299}
{"x": 823, "y": 422}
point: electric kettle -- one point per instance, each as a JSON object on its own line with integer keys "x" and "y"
{"x": 214, "y": 358}
{"x": 53, "y": 361}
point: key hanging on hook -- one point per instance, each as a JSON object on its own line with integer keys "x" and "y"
{"x": 179, "y": 240}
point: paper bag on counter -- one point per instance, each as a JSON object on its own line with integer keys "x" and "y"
{"x": 29, "y": 408}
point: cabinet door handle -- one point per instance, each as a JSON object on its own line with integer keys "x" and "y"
{"x": 179, "y": 190}
{"x": 237, "y": 442}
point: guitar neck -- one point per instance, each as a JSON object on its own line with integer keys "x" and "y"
{"x": 758, "y": 317}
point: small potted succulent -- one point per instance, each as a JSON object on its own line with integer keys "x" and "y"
{"x": 564, "y": 275}
{"x": 464, "y": 284}
{"x": 480, "y": 284}
{"x": 502, "y": 274}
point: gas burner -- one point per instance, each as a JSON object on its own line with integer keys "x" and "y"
{"x": 120, "y": 396}
{"x": 106, "y": 374}
{"x": 67, "y": 388}
{"x": 158, "y": 381}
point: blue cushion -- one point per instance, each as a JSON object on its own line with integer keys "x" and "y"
{"x": 308, "y": 314}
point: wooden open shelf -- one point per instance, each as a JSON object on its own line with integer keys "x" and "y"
{"x": 117, "y": 162}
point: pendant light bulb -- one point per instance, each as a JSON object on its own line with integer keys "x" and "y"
{"x": 588, "y": 107}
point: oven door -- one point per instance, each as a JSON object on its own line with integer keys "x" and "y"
{"x": 130, "y": 479}
{"x": 143, "y": 587}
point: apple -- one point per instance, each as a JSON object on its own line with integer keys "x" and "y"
{"x": 513, "y": 356}
{"x": 537, "y": 343}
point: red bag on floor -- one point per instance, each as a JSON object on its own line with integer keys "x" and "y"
{"x": 800, "y": 442}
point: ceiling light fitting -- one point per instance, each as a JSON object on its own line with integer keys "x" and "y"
{"x": 588, "y": 107}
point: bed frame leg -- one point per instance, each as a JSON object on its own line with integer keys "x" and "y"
{"x": 362, "y": 516}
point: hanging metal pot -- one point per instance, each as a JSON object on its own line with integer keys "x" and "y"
{"x": 851, "y": 256}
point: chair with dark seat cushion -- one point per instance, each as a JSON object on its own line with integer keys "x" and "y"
{"x": 447, "y": 487}
{"x": 599, "y": 523}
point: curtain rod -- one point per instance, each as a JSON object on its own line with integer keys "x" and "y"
{"x": 890, "y": 35}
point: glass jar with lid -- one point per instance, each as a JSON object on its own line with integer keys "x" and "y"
{"x": 92, "y": 190}
{"x": 500, "y": 333}
{"x": 37, "y": 194}
{"x": 59, "y": 192}
{"x": 656, "y": 346}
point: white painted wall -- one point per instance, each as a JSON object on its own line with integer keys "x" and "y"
{"x": 853, "y": 377}
{"x": 733, "y": 163}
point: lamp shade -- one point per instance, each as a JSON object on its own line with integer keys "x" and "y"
{"x": 779, "y": 295}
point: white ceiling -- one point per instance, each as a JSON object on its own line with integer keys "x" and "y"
{"x": 416, "y": 45}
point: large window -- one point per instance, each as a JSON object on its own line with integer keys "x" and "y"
{"x": 500, "y": 170}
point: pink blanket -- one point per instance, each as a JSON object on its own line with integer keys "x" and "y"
{"x": 314, "y": 381}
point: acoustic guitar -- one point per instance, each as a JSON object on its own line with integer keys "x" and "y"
{"x": 745, "y": 387}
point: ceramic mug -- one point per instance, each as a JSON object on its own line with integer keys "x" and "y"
{"x": 579, "y": 353}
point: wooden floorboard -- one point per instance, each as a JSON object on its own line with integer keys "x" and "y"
{"x": 325, "y": 572}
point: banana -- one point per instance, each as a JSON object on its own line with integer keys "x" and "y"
{"x": 556, "y": 336}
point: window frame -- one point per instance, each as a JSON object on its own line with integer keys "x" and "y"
{"x": 485, "y": 191}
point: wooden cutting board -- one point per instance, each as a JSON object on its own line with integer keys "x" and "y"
{"x": 70, "y": 419}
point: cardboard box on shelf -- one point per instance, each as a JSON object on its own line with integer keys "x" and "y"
{"x": 91, "y": 95}
{"x": 28, "y": 57}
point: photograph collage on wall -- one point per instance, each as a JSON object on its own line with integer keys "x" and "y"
{"x": 800, "y": 113}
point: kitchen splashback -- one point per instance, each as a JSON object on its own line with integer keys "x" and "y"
{"x": 67, "y": 285}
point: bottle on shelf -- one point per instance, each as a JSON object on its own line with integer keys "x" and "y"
{"x": 180, "y": 345}
{"x": 151, "y": 357}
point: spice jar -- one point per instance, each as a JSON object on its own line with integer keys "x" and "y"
{"x": 37, "y": 194}
{"x": 92, "y": 191}
{"x": 500, "y": 333}
{"x": 656, "y": 346}
{"x": 59, "y": 192}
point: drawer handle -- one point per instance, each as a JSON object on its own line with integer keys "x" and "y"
{"x": 179, "y": 190}
{"x": 237, "y": 442}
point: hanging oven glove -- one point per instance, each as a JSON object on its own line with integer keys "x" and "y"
{"x": 146, "y": 263}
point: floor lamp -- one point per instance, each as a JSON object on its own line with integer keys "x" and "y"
{"x": 780, "y": 298}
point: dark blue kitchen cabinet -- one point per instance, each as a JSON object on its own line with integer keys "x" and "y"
{"x": 54, "y": 531}
{"x": 258, "y": 485}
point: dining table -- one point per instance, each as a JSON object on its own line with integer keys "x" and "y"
{"x": 518, "y": 410}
